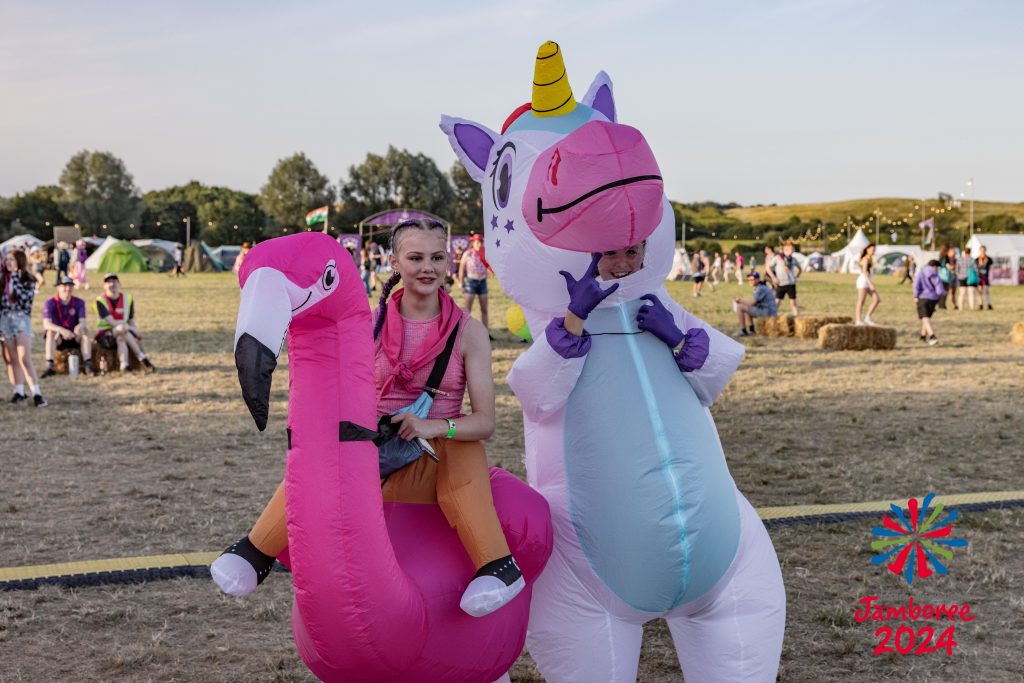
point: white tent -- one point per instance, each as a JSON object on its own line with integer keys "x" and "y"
{"x": 680, "y": 265}
{"x": 19, "y": 241}
{"x": 93, "y": 262}
{"x": 848, "y": 258}
{"x": 1007, "y": 253}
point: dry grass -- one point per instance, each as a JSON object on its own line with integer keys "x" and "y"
{"x": 138, "y": 465}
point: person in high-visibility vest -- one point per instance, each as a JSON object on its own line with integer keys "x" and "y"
{"x": 115, "y": 311}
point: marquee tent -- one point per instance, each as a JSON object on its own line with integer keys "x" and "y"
{"x": 847, "y": 259}
{"x": 1007, "y": 252}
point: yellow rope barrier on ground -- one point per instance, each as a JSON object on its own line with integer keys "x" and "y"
{"x": 136, "y": 569}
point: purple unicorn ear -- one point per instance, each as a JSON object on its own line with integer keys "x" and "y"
{"x": 472, "y": 144}
{"x": 599, "y": 96}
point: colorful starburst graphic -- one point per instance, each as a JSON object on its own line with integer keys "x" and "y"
{"x": 917, "y": 542}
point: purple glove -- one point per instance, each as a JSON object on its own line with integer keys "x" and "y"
{"x": 585, "y": 294}
{"x": 696, "y": 345}
{"x": 657, "y": 320}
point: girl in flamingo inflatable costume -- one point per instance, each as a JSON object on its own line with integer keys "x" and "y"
{"x": 377, "y": 583}
{"x": 615, "y": 392}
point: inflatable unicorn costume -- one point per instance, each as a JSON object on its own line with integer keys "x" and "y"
{"x": 619, "y": 440}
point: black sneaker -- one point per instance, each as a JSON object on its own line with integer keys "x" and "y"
{"x": 50, "y": 372}
{"x": 89, "y": 370}
{"x": 18, "y": 398}
{"x": 924, "y": 339}
{"x": 145, "y": 361}
{"x": 38, "y": 401}
{"x": 990, "y": 307}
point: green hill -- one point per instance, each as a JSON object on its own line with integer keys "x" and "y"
{"x": 892, "y": 208}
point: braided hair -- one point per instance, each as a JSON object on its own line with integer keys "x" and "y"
{"x": 396, "y": 232}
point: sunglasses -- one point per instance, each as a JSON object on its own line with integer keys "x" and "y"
{"x": 420, "y": 223}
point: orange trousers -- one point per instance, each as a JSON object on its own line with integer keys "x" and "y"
{"x": 460, "y": 484}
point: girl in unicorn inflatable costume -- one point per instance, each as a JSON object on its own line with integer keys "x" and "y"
{"x": 615, "y": 392}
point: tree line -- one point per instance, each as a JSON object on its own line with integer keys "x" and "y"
{"x": 96, "y": 192}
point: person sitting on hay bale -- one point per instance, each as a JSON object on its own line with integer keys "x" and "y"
{"x": 115, "y": 311}
{"x": 763, "y": 305}
{"x": 64, "y": 326}
{"x": 928, "y": 290}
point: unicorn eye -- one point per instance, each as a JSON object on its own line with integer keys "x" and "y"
{"x": 501, "y": 176}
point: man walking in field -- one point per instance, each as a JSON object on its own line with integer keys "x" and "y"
{"x": 782, "y": 270}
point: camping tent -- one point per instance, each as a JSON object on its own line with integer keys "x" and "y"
{"x": 1007, "y": 253}
{"x": 93, "y": 262}
{"x": 226, "y": 254}
{"x": 889, "y": 257}
{"x": 815, "y": 262}
{"x": 123, "y": 257}
{"x": 159, "y": 252}
{"x": 199, "y": 259}
{"x": 25, "y": 241}
{"x": 848, "y": 258}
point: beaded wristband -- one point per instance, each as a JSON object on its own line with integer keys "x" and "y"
{"x": 451, "y": 428}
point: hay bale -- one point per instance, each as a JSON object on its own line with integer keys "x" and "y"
{"x": 113, "y": 364}
{"x": 1017, "y": 336}
{"x": 838, "y": 337}
{"x": 807, "y": 326}
{"x": 781, "y": 326}
{"x": 60, "y": 360}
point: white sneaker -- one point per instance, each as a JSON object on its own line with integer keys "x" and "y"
{"x": 494, "y": 588}
{"x": 869, "y": 321}
{"x": 859, "y": 322}
{"x": 233, "y": 574}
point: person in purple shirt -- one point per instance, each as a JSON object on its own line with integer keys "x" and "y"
{"x": 928, "y": 289}
{"x": 64, "y": 325}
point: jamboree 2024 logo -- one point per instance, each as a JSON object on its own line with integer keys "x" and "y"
{"x": 916, "y": 544}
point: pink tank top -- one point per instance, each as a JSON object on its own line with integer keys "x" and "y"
{"x": 453, "y": 384}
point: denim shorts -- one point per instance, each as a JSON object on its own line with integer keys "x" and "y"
{"x": 14, "y": 323}
{"x": 471, "y": 286}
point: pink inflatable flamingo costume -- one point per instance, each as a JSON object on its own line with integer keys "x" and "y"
{"x": 376, "y": 586}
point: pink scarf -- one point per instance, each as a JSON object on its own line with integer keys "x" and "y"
{"x": 391, "y": 336}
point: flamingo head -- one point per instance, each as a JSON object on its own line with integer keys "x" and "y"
{"x": 284, "y": 280}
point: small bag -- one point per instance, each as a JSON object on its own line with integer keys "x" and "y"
{"x": 394, "y": 452}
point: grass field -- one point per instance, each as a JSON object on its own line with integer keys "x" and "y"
{"x": 171, "y": 462}
{"x": 892, "y": 207}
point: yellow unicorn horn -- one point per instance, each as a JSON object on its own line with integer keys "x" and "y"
{"x": 552, "y": 95}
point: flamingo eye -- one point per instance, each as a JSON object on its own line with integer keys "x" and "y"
{"x": 330, "y": 277}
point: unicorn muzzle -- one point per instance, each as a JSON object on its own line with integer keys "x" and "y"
{"x": 597, "y": 189}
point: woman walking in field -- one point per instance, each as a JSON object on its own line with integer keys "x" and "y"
{"x": 18, "y": 291}
{"x": 865, "y": 286}
{"x": 716, "y": 271}
{"x": 983, "y": 264}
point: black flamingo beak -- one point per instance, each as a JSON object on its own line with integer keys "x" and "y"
{"x": 256, "y": 364}
{"x": 264, "y": 314}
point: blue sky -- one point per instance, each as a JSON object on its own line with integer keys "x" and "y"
{"x": 755, "y": 102}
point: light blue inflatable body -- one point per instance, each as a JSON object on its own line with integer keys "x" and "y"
{"x": 679, "y": 527}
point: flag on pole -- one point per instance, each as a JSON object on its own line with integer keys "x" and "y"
{"x": 316, "y": 215}
{"x": 930, "y": 224}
